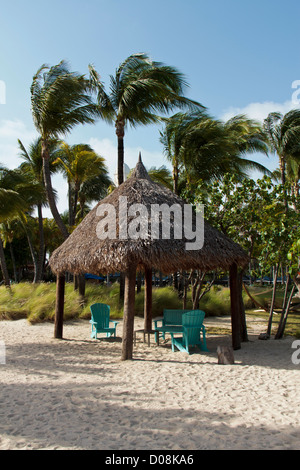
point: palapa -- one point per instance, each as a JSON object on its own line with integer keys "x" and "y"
{"x": 85, "y": 252}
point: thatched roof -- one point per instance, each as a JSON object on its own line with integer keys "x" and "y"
{"x": 84, "y": 252}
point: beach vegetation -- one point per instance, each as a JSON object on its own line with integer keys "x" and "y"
{"x": 36, "y": 302}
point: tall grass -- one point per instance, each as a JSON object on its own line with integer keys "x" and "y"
{"x": 37, "y": 302}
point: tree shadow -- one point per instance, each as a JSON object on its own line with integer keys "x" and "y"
{"x": 99, "y": 417}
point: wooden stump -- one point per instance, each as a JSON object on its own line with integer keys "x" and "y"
{"x": 225, "y": 355}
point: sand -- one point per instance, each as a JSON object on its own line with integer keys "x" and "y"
{"x": 78, "y": 394}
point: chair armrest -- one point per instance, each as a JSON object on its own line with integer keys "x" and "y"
{"x": 93, "y": 322}
{"x": 114, "y": 322}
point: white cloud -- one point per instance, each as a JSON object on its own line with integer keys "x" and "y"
{"x": 10, "y": 132}
{"x": 259, "y": 111}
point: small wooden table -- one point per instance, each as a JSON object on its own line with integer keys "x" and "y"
{"x": 147, "y": 332}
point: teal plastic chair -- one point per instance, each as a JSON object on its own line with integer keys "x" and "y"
{"x": 194, "y": 333}
{"x": 100, "y": 320}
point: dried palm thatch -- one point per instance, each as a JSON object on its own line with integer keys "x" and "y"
{"x": 84, "y": 252}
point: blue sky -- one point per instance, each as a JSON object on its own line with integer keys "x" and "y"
{"x": 237, "y": 56}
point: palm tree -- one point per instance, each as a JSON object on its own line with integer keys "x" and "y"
{"x": 86, "y": 173}
{"x": 293, "y": 174}
{"x": 283, "y": 133}
{"x": 247, "y": 137}
{"x": 32, "y": 168}
{"x": 139, "y": 89}
{"x": 60, "y": 99}
{"x": 206, "y": 148}
{"x": 173, "y": 138}
{"x": 292, "y": 177}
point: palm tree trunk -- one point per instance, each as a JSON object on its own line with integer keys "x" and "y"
{"x": 120, "y": 132}
{"x": 175, "y": 176}
{"x": 13, "y": 260}
{"x": 282, "y": 165}
{"x": 40, "y": 265}
{"x": 33, "y": 254}
{"x": 4, "y": 266}
{"x": 49, "y": 189}
{"x": 120, "y": 160}
{"x": 75, "y": 205}
{"x": 70, "y": 204}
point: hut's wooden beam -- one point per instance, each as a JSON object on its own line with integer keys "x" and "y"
{"x": 128, "y": 323}
{"x": 235, "y": 307}
{"x": 148, "y": 300}
{"x": 59, "y": 306}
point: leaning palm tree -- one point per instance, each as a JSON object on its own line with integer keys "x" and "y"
{"x": 139, "y": 90}
{"x": 283, "y": 133}
{"x": 60, "y": 99}
{"x": 292, "y": 177}
{"x": 32, "y": 169}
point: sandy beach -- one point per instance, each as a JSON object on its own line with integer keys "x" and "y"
{"x": 78, "y": 394}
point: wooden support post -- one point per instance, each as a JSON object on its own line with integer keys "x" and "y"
{"x": 148, "y": 300}
{"x": 81, "y": 285}
{"x": 244, "y": 332}
{"x": 128, "y": 326}
{"x": 235, "y": 307}
{"x": 59, "y": 306}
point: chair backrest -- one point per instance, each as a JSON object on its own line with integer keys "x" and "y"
{"x": 100, "y": 314}
{"x": 173, "y": 317}
{"x": 193, "y": 319}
